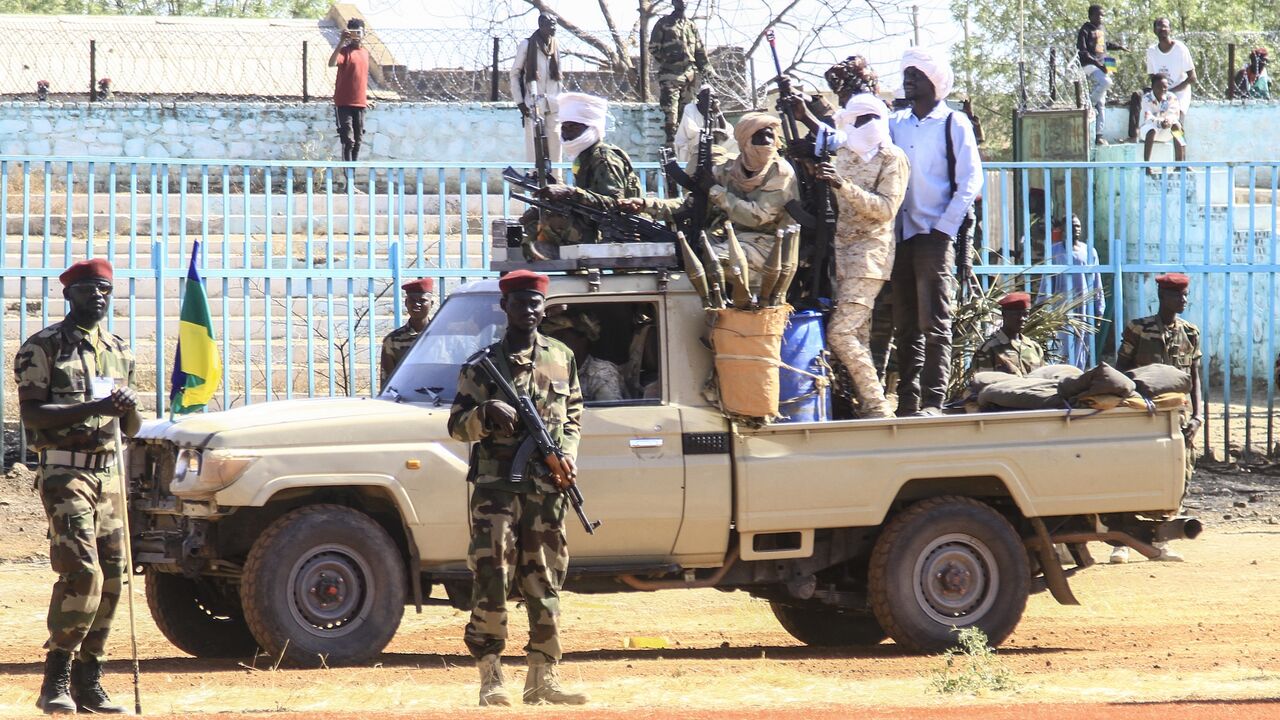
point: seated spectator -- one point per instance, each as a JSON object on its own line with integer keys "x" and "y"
{"x": 1160, "y": 120}
{"x": 1251, "y": 81}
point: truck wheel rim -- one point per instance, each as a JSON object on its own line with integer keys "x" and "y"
{"x": 956, "y": 579}
{"x": 330, "y": 591}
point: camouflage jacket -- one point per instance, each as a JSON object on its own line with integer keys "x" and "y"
{"x": 57, "y": 366}
{"x": 868, "y": 199}
{"x": 762, "y": 210}
{"x": 1001, "y": 353}
{"x": 1147, "y": 341}
{"x": 548, "y": 374}
{"x": 602, "y": 175}
{"x": 394, "y": 346}
{"x": 676, "y": 45}
{"x": 602, "y": 380}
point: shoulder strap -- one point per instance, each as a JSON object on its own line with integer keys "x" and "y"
{"x": 951, "y": 154}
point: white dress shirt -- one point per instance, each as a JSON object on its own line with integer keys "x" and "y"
{"x": 929, "y": 204}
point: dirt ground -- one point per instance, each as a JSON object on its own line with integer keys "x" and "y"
{"x": 1204, "y": 634}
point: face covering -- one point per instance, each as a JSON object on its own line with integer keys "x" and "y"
{"x": 867, "y": 140}
{"x": 573, "y": 148}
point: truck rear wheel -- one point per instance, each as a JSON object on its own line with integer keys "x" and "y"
{"x": 948, "y": 562}
{"x": 323, "y": 585}
{"x": 828, "y": 627}
{"x": 197, "y": 618}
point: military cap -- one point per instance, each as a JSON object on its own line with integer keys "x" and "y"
{"x": 421, "y": 285}
{"x": 1016, "y": 300}
{"x": 96, "y": 268}
{"x": 524, "y": 280}
{"x": 1173, "y": 281}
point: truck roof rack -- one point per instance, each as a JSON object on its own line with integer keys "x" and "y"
{"x": 505, "y": 256}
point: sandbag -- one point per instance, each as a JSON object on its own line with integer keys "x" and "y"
{"x": 1056, "y": 372}
{"x": 747, "y": 345}
{"x": 987, "y": 377}
{"x": 1101, "y": 380}
{"x": 1020, "y": 393}
{"x": 1157, "y": 379}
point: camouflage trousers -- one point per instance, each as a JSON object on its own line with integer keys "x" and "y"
{"x": 675, "y": 90}
{"x": 86, "y": 550}
{"x": 849, "y": 335}
{"x": 517, "y": 539}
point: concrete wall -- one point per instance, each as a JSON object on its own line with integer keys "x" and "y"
{"x": 1216, "y": 131}
{"x": 446, "y": 132}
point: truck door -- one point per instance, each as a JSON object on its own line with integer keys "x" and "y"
{"x": 630, "y": 460}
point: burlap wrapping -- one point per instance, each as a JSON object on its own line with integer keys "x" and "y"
{"x": 748, "y": 350}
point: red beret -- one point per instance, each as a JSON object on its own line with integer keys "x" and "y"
{"x": 524, "y": 280}
{"x": 1173, "y": 281}
{"x": 1017, "y": 299}
{"x": 87, "y": 270}
{"x": 422, "y": 285}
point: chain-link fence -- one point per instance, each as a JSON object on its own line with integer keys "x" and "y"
{"x": 189, "y": 58}
{"x": 1050, "y": 74}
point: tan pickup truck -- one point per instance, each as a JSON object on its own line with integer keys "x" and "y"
{"x": 305, "y": 527}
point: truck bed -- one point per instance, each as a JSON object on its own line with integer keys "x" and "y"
{"x": 1051, "y": 462}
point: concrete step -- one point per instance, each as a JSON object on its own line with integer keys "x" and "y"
{"x": 55, "y": 228}
{"x": 216, "y": 204}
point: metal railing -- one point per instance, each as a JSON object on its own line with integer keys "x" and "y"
{"x": 303, "y": 260}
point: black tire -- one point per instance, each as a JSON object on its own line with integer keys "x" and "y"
{"x": 986, "y": 582}
{"x": 323, "y": 551}
{"x": 198, "y": 619}
{"x": 828, "y": 627}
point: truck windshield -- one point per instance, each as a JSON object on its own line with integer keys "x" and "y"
{"x": 429, "y": 373}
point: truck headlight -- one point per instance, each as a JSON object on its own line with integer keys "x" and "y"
{"x": 198, "y": 472}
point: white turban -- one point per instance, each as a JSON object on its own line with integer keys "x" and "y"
{"x": 583, "y": 108}
{"x": 867, "y": 140}
{"x": 937, "y": 69}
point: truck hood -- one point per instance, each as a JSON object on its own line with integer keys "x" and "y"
{"x": 293, "y": 423}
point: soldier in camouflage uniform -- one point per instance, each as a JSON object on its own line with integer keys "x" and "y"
{"x": 74, "y": 384}
{"x": 1167, "y": 339}
{"x": 418, "y": 303}
{"x": 517, "y": 527}
{"x": 602, "y": 175}
{"x": 869, "y": 178}
{"x": 1007, "y": 350}
{"x": 601, "y": 379}
{"x": 677, "y": 49}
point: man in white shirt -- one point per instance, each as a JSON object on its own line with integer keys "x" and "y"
{"x": 535, "y": 78}
{"x": 1172, "y": 59}
{"x": 692, "y": 122}
{"x": 945, "y": 178}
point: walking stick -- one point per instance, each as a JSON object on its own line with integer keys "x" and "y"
{"x": 128, "y": 570}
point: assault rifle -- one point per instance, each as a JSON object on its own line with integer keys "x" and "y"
{"x": 541, "y": 153}
{"x": 614, "y": 226}
{"x": 819, "y": 217}
{"x": 693, "y": 219}
{"x": 538, "y": 440}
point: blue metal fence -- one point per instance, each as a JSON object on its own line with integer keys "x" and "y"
{"x": 304, "y": 259}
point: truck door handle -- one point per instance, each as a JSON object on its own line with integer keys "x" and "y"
{"x": 645, "y": 443}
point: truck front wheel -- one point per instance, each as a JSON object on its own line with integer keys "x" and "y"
{"x": 197, "y": 618}
{"x": 323, "y": 585}
{"x": 944, "y": 563}
{"x": 828, "y": 627}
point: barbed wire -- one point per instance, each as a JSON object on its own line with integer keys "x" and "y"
{"x": 1051, "y": 68}
{"x": 200, "y": 59}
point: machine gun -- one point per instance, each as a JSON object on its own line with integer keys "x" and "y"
{"x": 614, "y": 226}
{"x": 819, "y": 217}
{"x": 538, "y": 440}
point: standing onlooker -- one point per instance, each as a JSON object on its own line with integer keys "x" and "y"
{"x": 1252, "y": 81}
{"x": 350, "y": 89}
{"x": 690, "y": 131}
{"x": 1091, "y": 48}
{"x": 676, "y": 47}
{"x": 868, "y": 177}
{"x": 1172, "y": 59}
{"x": 946, "y": 176}
{"x": 1072, "y": 346}
{"x": 1161, "y": 116}
{"x": 535, "y": 81}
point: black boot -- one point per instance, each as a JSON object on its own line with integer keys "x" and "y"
{"x": 86, "y": 688}
{"x": 55, "y": 692}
